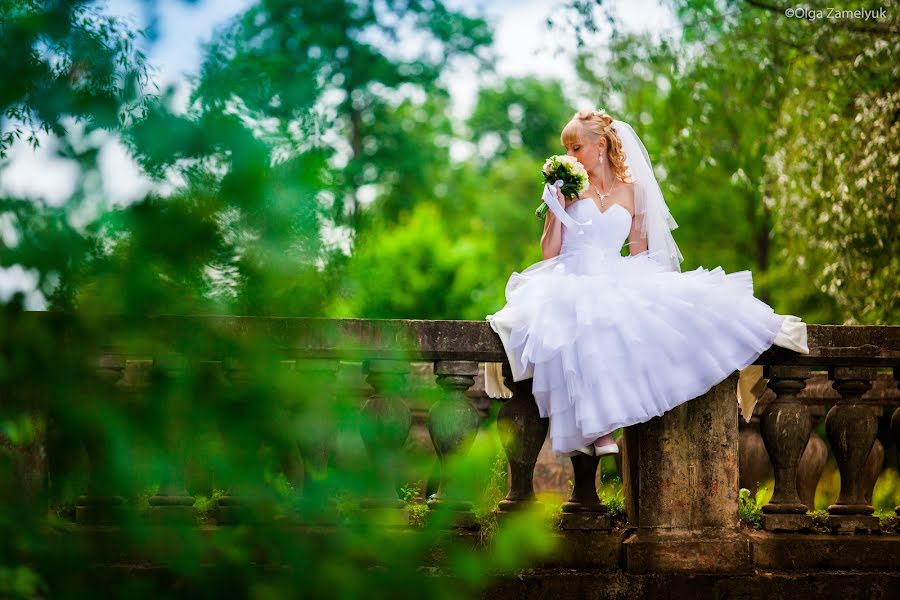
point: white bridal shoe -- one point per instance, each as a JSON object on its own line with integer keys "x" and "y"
{"x": 607, "y": 449}
{"x": 594, "y": 450}
{"x": 604, "y": 449}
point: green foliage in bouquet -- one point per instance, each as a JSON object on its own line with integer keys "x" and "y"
{"x": 566, "y": 168}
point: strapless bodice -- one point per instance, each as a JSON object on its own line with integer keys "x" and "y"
{"x": 608, "y": 229}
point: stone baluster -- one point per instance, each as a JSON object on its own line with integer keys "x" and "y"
{"x": 813, "y": 459}
{"x": 522, "y": 433}
{"x": 453, "y": 425}
{"x": 895, "y": 425}
{"x": 874, "y": 465}
{"x": 851, "y": 428}
{"x": 239, "y": 503}
{"x": 315, "y": 443}
{"x": 785, "y": 427}
{"x": 100, "y": 505}
{"x": 386, "y": 423}
{"x": 584, "y": 510}
{"x": 172, "y": 503}
{"x": 753, "y": 458}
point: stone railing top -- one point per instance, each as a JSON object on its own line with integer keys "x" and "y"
{"x": 420, "y": 340}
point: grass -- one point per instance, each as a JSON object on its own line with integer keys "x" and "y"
{"x": 411, "y": 494}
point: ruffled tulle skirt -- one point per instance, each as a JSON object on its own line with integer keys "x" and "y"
{"x": 611, "y": 341}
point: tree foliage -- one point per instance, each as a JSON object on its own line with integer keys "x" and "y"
{"x": 66, "y": 61}
{"x": 740, "y": 104}
{"x": 332, "y": 74}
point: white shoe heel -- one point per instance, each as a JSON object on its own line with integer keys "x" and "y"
{"x": 607, "y": 449}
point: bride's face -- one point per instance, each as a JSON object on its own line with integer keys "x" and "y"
{"x": 585, "y": 152}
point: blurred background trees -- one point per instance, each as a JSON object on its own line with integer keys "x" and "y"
{"x": 315, "y": 146}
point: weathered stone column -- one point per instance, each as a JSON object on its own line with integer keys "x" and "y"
{"x": 522, "y": 433}
{"x": 384, "y": 429}
{"x": 316, "y": 439}
{"x": 245, "y": 499}
{"x": 101, "y": 505}
{"x": 785, "y": 428}
{"x": 851, "y": 428}
{"x": 895, "y": 425}
{"x": 172, "y": 503}
{"x": 453, "y": 424}
{"x": 685, "y": 465}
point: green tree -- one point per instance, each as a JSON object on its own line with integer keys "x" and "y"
{"x": 521, "y": 113}
{"x": 66, "y": 62}
{"x": 263, "y": 63}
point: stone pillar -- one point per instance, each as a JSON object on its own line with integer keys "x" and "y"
{"x": 101, "y": 505}
{"x": 453, "y": 424}
{"x": 685, "y": 467}
{"x": 172, "y": 503}
{"x": 384, "y": 428}
{"x": 851, "y": 427}
{"x": 522, "y": 433}
{"x": 785, "y": 428}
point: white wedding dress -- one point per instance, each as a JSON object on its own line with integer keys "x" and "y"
{"x": 613, "y": 340}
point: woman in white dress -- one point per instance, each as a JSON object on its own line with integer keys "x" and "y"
{"x": 612, "y": 340}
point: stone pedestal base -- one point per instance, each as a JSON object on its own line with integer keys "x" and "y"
{"x": 455, "y": 519}
{"x": 507, "y": 509}
{"x": 229, "y": 511}
{"x": 165, "y": 514}
{"x": 171, "y": 509}
{"x": 585, "y": 521}
{"x": 99, "y": 510}
{"x": 824, "y": 552}
{"x": 848, "y": 524}
{"x": 686, "y": 551}
{"x": 786, "y": 522}
{"x": 385, "y": 517}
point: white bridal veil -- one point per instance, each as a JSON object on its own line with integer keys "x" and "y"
{"x": 651, "y": 215}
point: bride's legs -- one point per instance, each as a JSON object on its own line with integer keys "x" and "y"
{"x": 604, "y": 440}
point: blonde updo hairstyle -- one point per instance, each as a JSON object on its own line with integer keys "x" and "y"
{"x": 593, "y": 125}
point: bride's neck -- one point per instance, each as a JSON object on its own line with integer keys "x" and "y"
{"x": 602, "y": 176}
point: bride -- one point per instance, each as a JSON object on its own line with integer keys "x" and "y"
{"x": 612, "y": 340}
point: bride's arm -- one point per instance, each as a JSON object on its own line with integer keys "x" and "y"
{"x": 551, "y": 239}
{"x": 636, "y": 242}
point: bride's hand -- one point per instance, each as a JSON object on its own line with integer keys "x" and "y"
{"x": 563, "y": 201}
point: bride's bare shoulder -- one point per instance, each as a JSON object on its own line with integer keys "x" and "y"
{"x": 628, "y": 194}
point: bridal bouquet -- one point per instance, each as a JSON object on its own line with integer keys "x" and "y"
{"x": 566, "y": 168}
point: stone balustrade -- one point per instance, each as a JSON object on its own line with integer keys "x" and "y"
{"x": 787, "y": 415}
{"x": 680, "y": 471}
